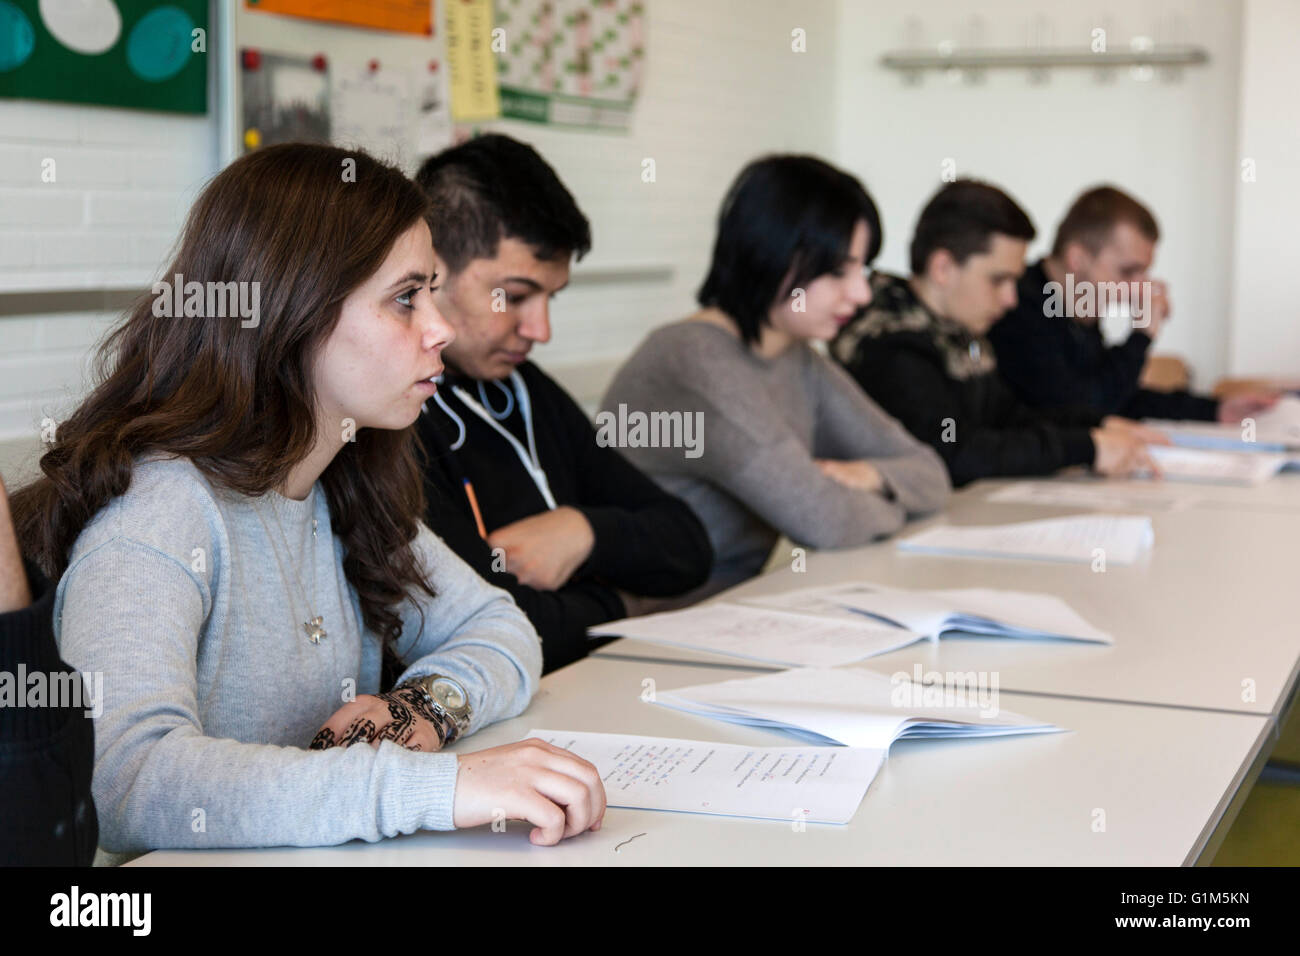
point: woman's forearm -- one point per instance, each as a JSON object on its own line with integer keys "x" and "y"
{"x": 14, "y": 591}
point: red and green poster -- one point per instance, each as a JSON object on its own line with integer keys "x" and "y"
{"x": 570, "y": 62}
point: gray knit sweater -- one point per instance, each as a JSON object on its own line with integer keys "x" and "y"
{"x": 185, "y": 597}
{"x": 764, "y": 424}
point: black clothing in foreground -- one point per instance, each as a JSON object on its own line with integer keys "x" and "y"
{"x": 941, "y": 381}
{"x": 1054, "y": 361}
{"x": 648, "y": 542}
{"x": 47, "y": 816}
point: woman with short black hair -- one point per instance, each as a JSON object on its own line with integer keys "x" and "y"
{"x": 790, "y": 445}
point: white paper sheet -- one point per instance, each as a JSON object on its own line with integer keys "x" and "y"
{"x": 434, "y": 130}
{"x": 1283, "y": 419}
{"x": 1216, "y": 467}
{"x": 765, "y": 634}
{"x": 809, "y": 784}
{"x": 374, "y": 111}
{"x": 853, "y": 706}
{"x": 1122, "y": 538}
{"x": 1099, "y": 496}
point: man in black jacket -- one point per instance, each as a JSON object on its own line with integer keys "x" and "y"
{"x": 920, "y": 350}
{"x": 517, "y": 482}
{"x": 1050, "y": 348}
{"x": 47, "y": 746}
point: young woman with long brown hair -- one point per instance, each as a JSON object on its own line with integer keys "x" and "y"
{"x": 235, "y": 514}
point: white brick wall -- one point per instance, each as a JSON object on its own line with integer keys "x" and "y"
{"x": 43, "y": 365}
{"x": 123, "y": 181}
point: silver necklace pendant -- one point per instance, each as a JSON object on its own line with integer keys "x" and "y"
{"x": 315, "y": 631}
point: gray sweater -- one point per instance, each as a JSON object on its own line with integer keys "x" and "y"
{"x": 186, "y": 600}
{"x": 764, "y": 424}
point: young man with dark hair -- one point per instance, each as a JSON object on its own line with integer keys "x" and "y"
{"x": 1050, "y": 348}
{"x": 517, "y": 483}
{"x": 920, "y": 350}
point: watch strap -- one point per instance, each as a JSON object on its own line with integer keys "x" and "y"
{"x": 452, "y": 725}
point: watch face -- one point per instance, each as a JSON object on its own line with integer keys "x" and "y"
{"x": 449, "y": 694}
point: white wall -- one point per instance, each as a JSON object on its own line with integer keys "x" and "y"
{"x": 1265, "y": 334}
{"x": 1171, "y": 144}
{"x": 123, "y": 181}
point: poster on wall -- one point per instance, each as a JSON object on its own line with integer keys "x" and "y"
{"x": 401, "y": 16}
{"x": 571, "y": 62}
{"x": 373, "y": 110}
{"x": 469, "y": 55}
{"x": 285, "y": 98}
{"x": 397, "y": 114}
{"x": 433, "y": 129}
{"x": 131, "y": 53}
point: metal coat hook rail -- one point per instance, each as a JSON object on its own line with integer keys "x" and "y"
{"x": 1044, "y": 58}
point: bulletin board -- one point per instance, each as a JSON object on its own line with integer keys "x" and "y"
{"x": 311, "y": 78}
{"x": 134, "y": 53}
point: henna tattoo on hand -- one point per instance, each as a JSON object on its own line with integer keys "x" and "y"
{"x": 362, "y": 729}
{"x": 405, "y": 705}
{"x": 401, "y": 727}
{"x": 412, "y": 702}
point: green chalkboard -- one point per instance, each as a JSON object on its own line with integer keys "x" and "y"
{"x": 142, "y": 54}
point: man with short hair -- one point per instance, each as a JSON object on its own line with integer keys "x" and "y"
{"x": 920, "y": 350}
{"x": 516, "y": 480}
{"x": 1050, "y": 348}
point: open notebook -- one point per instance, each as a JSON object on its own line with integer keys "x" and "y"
{"x": 839, "y": 624}
{"x": 821, "y": 638}
{"x": 853, "y": 706}
{"x": 976, "y": 611}
{"x": 1275, "y": 430}
{"x": 1217, "y": 467}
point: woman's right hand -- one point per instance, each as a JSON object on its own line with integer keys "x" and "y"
{"x": 860, "y": 474}
{"x": 1120, "y": 453}
{"x": 558, "y": 792}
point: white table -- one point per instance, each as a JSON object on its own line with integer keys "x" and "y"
{"x": 1161, "y": 739}
{"x": 1165, "y": 778}
{"x": 1212, "y": 605}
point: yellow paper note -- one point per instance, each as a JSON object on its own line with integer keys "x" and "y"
{"x": 472, "y": 62}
